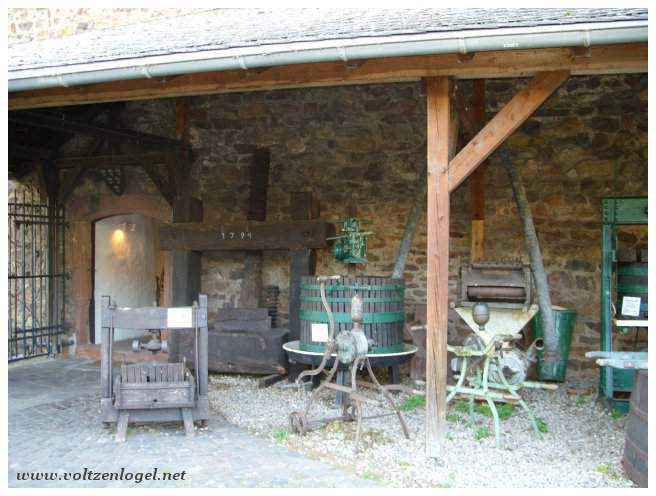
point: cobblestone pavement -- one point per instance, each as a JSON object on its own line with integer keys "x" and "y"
{"x": 54, "y": 427}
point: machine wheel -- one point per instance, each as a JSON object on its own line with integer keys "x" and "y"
{"x": 298, "y": 423}
{"x": 350, "y": 415}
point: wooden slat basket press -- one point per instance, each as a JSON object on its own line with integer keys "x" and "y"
{"x": 154, "y": 392}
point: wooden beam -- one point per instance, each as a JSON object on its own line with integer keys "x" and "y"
{"x": 477, "y": 179}
{"x": 78, "y": 173}
{"x": 246, "y": 236}
{"x": 439, "y": 139}
{"x": 186, "y": 208}
{"x": 49, "y": 180}
{"x": 115, "y": 160}
{"x": 251, "y": 286}
{"x": 182, "y": 119}
{"x": 162, "y": 185}
{"x": 503, "y": 124}
{"x": 602, "y": 59}
{"x": 259, "y": 182}
{"x": 50, "y": 121}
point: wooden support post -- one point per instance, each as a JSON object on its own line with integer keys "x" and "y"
{"x": 439, "y": 138}
{"x": 186, "y": 208}
{"x": 185, "y": 264}
{"x": 251, "y": 289}
{"x": 106, "y": 358}
{"x": 185, "y": 287}
{"x": 301, "y": 263}
{"x": 477, "y": 180}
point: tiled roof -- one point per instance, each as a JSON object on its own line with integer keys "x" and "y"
{"x": 247, "y": 28}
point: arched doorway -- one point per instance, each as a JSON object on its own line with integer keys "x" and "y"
{"x": 125, "y": 252}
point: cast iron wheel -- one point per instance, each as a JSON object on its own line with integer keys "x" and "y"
{"x": 298, "y": 423}
{"x": 350, "y": 415}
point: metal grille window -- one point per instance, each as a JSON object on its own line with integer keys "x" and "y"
{"x": 36, "y": 275}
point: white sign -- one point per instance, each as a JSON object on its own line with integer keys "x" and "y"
{"x": 631, "y": 306}
{"x": 319, "y": 332}
{"x": 179, "y": 317}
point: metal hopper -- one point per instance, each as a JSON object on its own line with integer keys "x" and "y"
{"x": 503, "y": 321}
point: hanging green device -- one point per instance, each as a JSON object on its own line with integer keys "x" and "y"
{"x": 351, "y": 245}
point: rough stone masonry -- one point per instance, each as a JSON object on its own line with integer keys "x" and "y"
{"x": 366, "y": 145}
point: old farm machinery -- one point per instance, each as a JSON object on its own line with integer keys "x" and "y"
{"x": 496, "y": 303}
{"x": 347, "y": 349}
{"x": 153, "y": 391}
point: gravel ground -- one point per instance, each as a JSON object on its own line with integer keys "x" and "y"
{"x": 581, "y": 448}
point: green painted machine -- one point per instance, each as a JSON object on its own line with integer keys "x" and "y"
{"x": 623, "y": 285}
{"x": 351, "y": 245}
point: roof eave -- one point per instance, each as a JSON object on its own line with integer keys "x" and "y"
{"x": 573, "y": 35}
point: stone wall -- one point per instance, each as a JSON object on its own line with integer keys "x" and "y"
{"x": 365, "y": 145}
{"x": 26, "y": 25}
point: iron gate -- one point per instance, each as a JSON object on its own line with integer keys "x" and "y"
{"x": 36, "y": 275}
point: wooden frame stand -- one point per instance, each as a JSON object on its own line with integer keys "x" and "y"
{"x": 154, "y": 392}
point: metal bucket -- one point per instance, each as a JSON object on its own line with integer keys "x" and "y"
{"x": 564, "y": 321}
{"x": 635, "y": 459}
{"x": 383, "y": 311}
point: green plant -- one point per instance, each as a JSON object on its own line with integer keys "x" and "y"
{"x": 542, "y": 425}
{"x": 616, "y": 414}
{"x": 607, "y": 470}
{"x": 412, "y": 402}
{"x": 280, "y": 435}
{"x": 505, "y": 410}
{"x": 581, "y": 400}
{"x": 481, "y": 433}
{"x": 461, "y": 406}
{"x": 452, "y": 417}
{"x": 369, "y": 475}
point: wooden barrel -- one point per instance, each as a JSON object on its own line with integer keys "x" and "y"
{"x": 635, "y": 459}
{"x": 383, "y": 311}
{"x": 632, "y": 280}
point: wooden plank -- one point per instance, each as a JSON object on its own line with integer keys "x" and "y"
{"x": 439, "y": 140}
{"x": 270, "y": 380}
{"x": 602, "y": 59}
{"x": 477, "y": 240}
{"x": 477, "y": 179}
{"x": 246, "y": 236}
{"x": 503, "y": 124}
